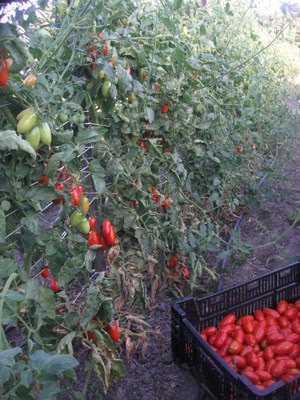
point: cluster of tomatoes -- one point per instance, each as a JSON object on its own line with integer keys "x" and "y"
{"x": 264, "y": 347}
{"x": 173, "y": 262}
{"x": 88, "y": 226}
{"x": 45, "y": 273}
{"x": 156, "y": 197}
{"x": 36, "y": 131}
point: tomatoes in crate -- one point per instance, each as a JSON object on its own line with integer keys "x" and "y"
{"x": 263, "y": 347}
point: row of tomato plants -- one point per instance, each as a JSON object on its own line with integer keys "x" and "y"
{"x": 178, "y": 131}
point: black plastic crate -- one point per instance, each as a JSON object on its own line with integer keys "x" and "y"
{"x": 190, "y": 315}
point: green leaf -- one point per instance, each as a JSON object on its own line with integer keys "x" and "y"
{"x": 32, "y": 290}
{"x": 202, "y": 29}
{"x": 169, "y": 24}
{"x": 9, "y": 140}
{"x": 7, "y": 357}
{"x": 90, "y": 135}
{"x": 69, "y": 270}
{"x": 52, "y": 364}
{"x": 129, "y": 221}
{"x": 98, "y": 176}
{"x": 33, "y": 223}
{"x": 149, "y": 114}
{"x": 66, "y": 341}
{"x": 176, "y": 4}
{"x": 7, "y": 267}
{"x": 4, "y": 374}
{"x": 5, "y": 205}
{"x": 47, "y": 301}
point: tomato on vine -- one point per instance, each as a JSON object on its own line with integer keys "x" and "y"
{"x": 3, "y": 73}
{"x": 43, "y": 179}
{"x": 164, "y": 108}
{"x": 54, "y": 284}
{"x": 45, "y": 272}
{"x": 92, "y": 221}
{"x": 30, "y": 81}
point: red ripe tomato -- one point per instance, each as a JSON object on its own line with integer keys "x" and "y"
{"x": 43, "y": 179}
{"x": 271, "y": 320}
{"x": 269, "y": 353}
{"x": 75, "y": 195}
{"x": 229, "y": 319}
{"x": 54, "y": 284}
{"x": 212, "y": 339}
{"x": 227, "y": 329}
{"x": 92, "y": 221}
{"x": 261, "y": 364}
{"x": 297, "y": 361}
{"x": 252, "y": 359}
{"x": 268, "y": 383}
{"x": 210, "y": 330}
{"x": 252, "y": 376}
{"x": 247, "y": 324}
{"x": 143, "y": 144}
{"x": 113, "y": 331}
{"x": 239, "y": 361}
{"x": 292, "y": 337}
{"x": 293, "y": 371}
{"x": 235, "y": 347}
{"x": 59, "y": 186}
{"x": 58, "y": 200}
{"x": 94, "y": 238}
{"x": 282, "y": 306}
{"x": 103, "y": 243}
{"x": 239, "y": 335}
{"x": 248, "y": 368}
{"x": 156, "y": 87}
{"x": 164, "y": 108}
{"x": 132, "y": 203}
{"x": 289, "y": 362}
{"x": 223, "y": 351}
{"x": 259, "y": 315}
{"x": 260, "y": 331}
{"x": 245, "y": 350}
{"x": 273, "y": 313}
{"x": 250, "y": 339}
{"x": 106, "y": 224}
{"x": 283, "y": 348}
{"x": 166, "y": 203}
{"x": 111, "y": 237}
{"x": 297, "y": 304}
{"x": 203, "y": 336}
{"x": 283, "y": 322}
{"x": 291, "y": 313}
{"x": 247, "y": 136}
{"x": 263, "y": 375}
{"x": 3, "y": 73}
{"x": 173, "y": 261}
{"x": 45, "y": 272}
{"x": 296, "y": 325}
{"x": 186, "y": 273}
{"x": 278, "y": 369}
{"x": 286, "y": 378}
{"x": 269, "y": 365}
{"x": 295, "y": 352}
{"x": 275, "y": 338}
{"x": 220, "y": 340}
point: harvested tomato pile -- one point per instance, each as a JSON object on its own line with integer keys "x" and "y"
{"x": 263, "y": 347}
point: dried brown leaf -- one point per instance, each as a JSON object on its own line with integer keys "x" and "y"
{"x": 144, "y": 349}
{"x": 155, "y": 286}
{"x": 112, "y": 255}
{"x": 130, "y": 347}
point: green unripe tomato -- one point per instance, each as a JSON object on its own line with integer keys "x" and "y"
{"x": 75, "y": 119}
{"x": 84, "y": 226}
{"x": 81, "y": 118}
{"x": 101, "y": 74}
{"x": 27, "y": 122}
{"x": 46, "y": 135}
{"x": 33, "y": 137}
{"x": 63, "y": 117}
{"x": 106, "y": 89}
{"x": 76, "y": 219}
